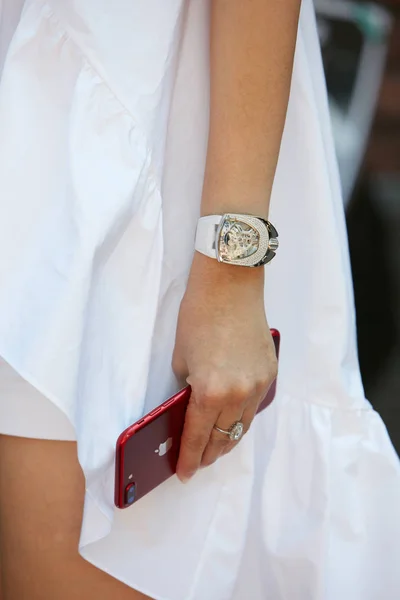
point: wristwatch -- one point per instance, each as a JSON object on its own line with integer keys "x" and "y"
{"x": 237, "y": 239}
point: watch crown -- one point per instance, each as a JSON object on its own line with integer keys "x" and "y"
{"x": 273, "y": 244}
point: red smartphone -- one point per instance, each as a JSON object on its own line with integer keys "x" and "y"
{"x": 147, "y": 451}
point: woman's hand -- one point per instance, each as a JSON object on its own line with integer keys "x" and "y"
{"x": 225, "y": 351}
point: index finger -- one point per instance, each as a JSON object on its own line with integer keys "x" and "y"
{"x": 199, "y": 422}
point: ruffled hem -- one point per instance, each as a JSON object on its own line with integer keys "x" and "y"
{"x": 325, "y": 518}
{"x": 314, "y": 493}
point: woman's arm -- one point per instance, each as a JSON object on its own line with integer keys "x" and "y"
{"x": 223, "y": 345}
{"x": 252, "y": 49}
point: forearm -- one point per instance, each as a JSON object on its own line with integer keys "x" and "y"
{"x": 252, "y": 49}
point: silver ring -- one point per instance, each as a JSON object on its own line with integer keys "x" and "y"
{"x": 235, "y": 431}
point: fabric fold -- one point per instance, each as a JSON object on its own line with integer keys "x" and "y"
{"x": 330, "y": 489}
{"x": 104, "y": 113}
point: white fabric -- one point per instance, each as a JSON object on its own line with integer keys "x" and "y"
{"x": 103, "y": 133}
{"x": 25, "y": 412}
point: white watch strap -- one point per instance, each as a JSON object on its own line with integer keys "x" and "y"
{"x": 205, "y": 235}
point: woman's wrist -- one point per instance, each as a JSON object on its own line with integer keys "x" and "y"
{"x": 221, "y": 277}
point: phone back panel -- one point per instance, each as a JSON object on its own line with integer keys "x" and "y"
{"x": 147, "y": 452}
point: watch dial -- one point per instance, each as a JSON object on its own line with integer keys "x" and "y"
{"x": 237, "y": 240}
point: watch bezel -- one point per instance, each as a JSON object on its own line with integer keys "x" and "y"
{"x": 258, "y": 258}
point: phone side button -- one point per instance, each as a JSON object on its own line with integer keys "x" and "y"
{"x": 155, "y": 411}
{"x": 170, "y": 401}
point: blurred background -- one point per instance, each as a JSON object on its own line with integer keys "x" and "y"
{"x": 361, "y": 53}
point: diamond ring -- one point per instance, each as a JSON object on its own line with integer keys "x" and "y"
{"x": 235, "y": 431}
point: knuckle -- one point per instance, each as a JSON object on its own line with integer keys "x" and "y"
{"x": 178, "y": 366}
{"x": 213, "y": 396}
{"x": 273, "y": 369}
{"x": 265, "y": 381}
{"x": 175, "y": 366}
{"x": 243, "y": 390}
{"x": 237, "y": 401}
{"x": 210, "y": 394}
{"x": 263, "y": 385}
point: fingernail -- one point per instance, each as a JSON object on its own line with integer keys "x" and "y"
{"x": 186, "y": 478}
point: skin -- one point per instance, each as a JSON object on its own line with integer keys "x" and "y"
{"x": 223, "y": 345}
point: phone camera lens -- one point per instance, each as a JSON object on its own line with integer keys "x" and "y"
{"x": 130, "y": 493}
